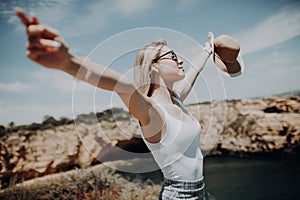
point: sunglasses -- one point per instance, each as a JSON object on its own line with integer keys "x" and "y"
{"x": 174, "y": 56}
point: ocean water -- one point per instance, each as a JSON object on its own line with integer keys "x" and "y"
{"x": 264, "y": 178}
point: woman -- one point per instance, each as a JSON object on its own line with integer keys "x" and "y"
{"x": 168, "y": 129}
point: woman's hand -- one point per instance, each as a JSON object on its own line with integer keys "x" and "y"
{"x": 44, "y": 44}
{"x": 208, "y": 46}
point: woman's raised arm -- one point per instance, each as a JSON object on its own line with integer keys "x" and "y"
{"x": 184, "y": 87}
{"x": 46, "y": 47}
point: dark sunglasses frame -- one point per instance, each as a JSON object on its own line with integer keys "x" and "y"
{"x": 174, "y": 56}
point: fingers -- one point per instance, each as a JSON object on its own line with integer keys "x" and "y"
{"x": 43, "y": 48}
{"x": 49, "y": 32}
{"x": 42, "y": 40}
{"x": 25, "y": 20}
{"x": 61, "y": 42}
{"x": 34, "y": 20}
{"x": 38, "y": 31}
{"x": 22, "y": 16}
{"x": 35, "y": 30}
{"x": 210, "y": 38}
{"x": 43, "y": 44}
{"x": 34, "y": 27}
{"x": 209, "y": 34}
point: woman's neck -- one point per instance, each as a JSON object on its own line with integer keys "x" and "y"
{"x": 162, "y": 92}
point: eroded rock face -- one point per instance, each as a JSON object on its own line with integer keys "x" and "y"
{"x": 33, "y": 153}
{"x": 261, "y": 126}
{"x": 256, "y": 126}
{"x": 238, "y": 127}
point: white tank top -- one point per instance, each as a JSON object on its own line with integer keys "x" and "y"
{"x": 178, "y": 153}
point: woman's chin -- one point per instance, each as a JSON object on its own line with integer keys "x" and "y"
{"x": 180, "y": 76}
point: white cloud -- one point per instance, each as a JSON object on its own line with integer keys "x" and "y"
{"x": 274, "y": 30}
{"x": 53, "y": 79}
{"x": 131, "y": 7}
{"x": 96, "y": 16}
{"x": 64, "y": 100}
{"x": 182, "y": 5}
{"x": 16, "y": 87}
{"x": 102, "y": 13}
{"x": 22, "y": 112}
{"x": 59, "y": 81}
{"x": 26, "y": 114}
{"x": 50, "y": 12}
{"x": 276, "y": 59}
{"x": 44, "y": 80}
{"x": 272, "y": 74}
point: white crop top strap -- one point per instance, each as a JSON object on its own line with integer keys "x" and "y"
{"x": 178, "y": 153}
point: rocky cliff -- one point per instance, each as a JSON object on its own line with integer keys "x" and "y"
{"x": 237, "y": 127}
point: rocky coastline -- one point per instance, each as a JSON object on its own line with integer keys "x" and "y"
{"x": 252, "y": 127}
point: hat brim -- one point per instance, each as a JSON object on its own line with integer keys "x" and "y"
{"x": 231, "y": 69}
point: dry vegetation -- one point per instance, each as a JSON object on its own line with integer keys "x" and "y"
{"x": 95, "y": 183}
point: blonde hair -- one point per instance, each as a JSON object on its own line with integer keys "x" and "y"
{"x": 143, "y": 63}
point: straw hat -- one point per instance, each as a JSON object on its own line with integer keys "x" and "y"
{"x": 226, "y": 55}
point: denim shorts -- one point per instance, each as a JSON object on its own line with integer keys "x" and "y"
{"x": 172, "y": 190}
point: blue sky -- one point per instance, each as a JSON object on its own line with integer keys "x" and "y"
{"x": 267, "y": 30}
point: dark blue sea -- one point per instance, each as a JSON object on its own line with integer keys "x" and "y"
{"x": 263, "y": 178}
